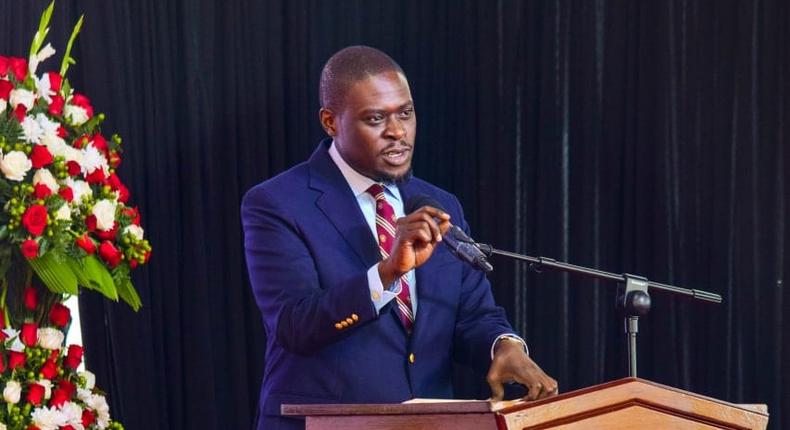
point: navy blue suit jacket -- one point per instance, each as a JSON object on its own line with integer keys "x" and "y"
{"x": 308, "y": 250}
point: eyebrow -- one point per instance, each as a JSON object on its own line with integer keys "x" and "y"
{"x": 401, "y": 107}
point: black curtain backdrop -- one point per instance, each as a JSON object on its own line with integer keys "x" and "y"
{"x": 648, "y": 137}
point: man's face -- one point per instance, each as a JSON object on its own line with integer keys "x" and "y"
{"x": 375, "y": 127}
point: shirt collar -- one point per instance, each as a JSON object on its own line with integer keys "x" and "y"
{"x": 358, "y": 182}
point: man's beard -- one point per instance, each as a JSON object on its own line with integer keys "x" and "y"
{"x": 397, "y": 180}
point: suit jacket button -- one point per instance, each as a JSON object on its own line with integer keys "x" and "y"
{"x": 349, "y": 320}
{"x": 338, "y": 326}
{"x": 344, "y": 324}
{"x": 411, "y": 358}
{"x": 355, "y": 317}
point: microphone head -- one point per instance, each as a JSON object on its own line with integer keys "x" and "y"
{"x": 415, "y": 202}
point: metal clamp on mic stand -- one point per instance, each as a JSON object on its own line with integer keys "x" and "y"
{"x": 634, "y": 300}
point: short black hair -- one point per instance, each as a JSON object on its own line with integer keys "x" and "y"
{"x": 350, "y": 65}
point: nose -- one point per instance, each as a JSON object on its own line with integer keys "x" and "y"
{"x": 394, "y": 129}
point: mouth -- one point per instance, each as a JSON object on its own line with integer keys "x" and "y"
{"x": 396, "y": 157}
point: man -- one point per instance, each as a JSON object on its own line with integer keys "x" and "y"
{"x": 360, "y": 302}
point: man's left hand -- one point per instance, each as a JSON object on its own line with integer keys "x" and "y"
{"x": 512, "y": 364}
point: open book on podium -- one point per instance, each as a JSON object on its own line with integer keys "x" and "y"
{"x": 629, "y": 403}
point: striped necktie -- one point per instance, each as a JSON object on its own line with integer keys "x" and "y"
{"x": 385, "y": 230}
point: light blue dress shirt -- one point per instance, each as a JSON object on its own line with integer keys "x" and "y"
{"x": 359, "y": 185}
{"x": 378, "y": 294}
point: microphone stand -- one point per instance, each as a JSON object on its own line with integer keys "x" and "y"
{"x": 634, "y": 301}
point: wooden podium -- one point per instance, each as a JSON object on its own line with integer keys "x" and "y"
{"x": 628, "y": 403}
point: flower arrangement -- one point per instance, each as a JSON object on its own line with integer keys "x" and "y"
{"x": 65, "y": 223}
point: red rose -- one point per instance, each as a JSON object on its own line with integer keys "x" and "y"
{"x": 62, "y": 133}
{"x": 66, "y": 193}
{"x": 90, "y": 222}
{"x": 3, "y": 65}
{"x": 20, "y": 112}
{"x": 100, "y": 143}
{"x": 55, "y": 81}
{"x": 35, "y": 394}
{"x": 56, "y": 106}
{"x": 67, "y": 386}
{"x": 95, "y": 177}
{"x": 123, "y": 194}
{"x": 16, "y": 359}
{"x": 80, "y": 142}
{"x": 32, "y": 427}
{"x": 147, "y": 256}
{"x": 59, "y": 315}
{"x": 41, "y": 191}
{"x": 113, "y": 181}
{"x": 66, "y": 427}
{"x": 59, "y": 397}
{"x": 49, "y": 369}
{"x": 74, "y": 168}
{"x": 74, "y": 357}
{"x": 19, "y": 67}
{"x": 85, "y": 243}
{"x": 88, "y": 417}
{"x": 30, "y": 249}
{"x": 31, "y": 298}
{"x": 35, "y": 219}
{"x": 40, "y": 156}
{"x": 132, "y": 213}
{"x": 29, "y": 333}
{"x": 109, "y": 253}
{"x": 114, "y": 159}
{"x": 5, "y": 89}
{"x": 109, "y": 234}
{"x": 2, "y": 364}
{"x": 83, "y": 102}
{"x": 133, "y": 264}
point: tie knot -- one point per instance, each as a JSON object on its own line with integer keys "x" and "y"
{"x": 377, "y": 191}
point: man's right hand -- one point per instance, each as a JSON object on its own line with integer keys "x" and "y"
{"x": 416, "y": 237}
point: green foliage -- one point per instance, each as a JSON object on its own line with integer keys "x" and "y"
{"x": 92, "y": 274}
{"x": 67, "y": 59}
{"x": 43, "y": 30}
{"x": 129, "y": 294}
{"x": 54, "y": 272}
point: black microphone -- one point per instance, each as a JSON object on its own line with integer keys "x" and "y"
{"x": 458, "y": 242}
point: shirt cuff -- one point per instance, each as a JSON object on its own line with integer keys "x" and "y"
{"x": 378, "y": 295}
{"x": 508, "y": 336}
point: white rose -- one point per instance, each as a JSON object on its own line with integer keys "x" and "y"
{"x": 75, "y": 114}
{"x": 44, "y": 176}
{"x": 64, "y": 213}
{"x": 21, "y": 96}
{"x": 81, "y": 189}
{"x": 3, "y": 105}
{"x": 134, "y": 230}
{"x": 47, "y": 384}
{"x": 15, "y": 165}
{"x": 90, "y": 379}
{"x": 50, "y": 338}
{"x": 47, "y": 418}
{"x": 12, "y": 392}
{"x": 104, "y": 211}
{"x": 2, "y": 426}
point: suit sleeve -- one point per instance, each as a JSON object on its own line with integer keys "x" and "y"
{"x": 302, "y": 315}
{"x": 479, "y": 320}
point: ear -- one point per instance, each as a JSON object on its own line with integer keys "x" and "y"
{"x": 327, "y": 119}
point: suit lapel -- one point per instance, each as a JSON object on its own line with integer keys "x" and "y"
{"x": 339, "y": 205}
